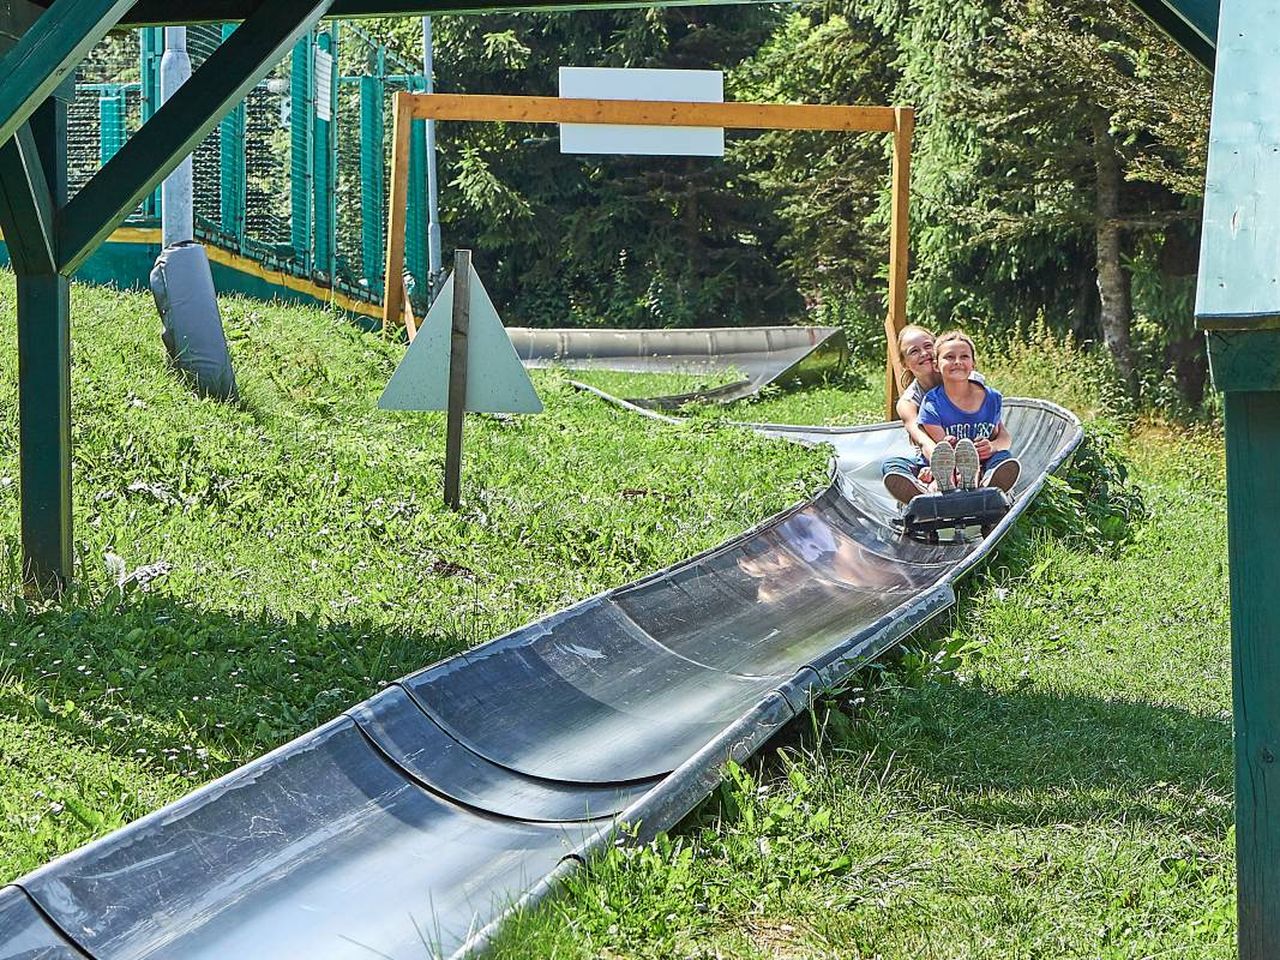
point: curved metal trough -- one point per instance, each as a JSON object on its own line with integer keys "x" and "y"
{"x": 756, "y": 355}
{"x": 411, "y": 825}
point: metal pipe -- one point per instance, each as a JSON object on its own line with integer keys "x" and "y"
{"x": 177, "y": 209}
{"x": 434, "y": 255}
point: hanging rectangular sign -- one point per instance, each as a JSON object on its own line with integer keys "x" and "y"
{"x": 613, "y": 83}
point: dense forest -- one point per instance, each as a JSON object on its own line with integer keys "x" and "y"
{"x": 1058, "y": 169}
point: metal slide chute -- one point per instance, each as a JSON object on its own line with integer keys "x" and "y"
{"x": 412, "y": 824}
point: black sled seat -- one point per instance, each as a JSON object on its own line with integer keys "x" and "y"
{"x": 931, "y": 513}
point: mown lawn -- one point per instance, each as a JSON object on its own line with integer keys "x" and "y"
{"x": 1047, "y": 774}
{"x": 300, "y": 554}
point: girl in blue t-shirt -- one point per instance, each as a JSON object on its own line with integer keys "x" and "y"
{"x": 969, "y": 417}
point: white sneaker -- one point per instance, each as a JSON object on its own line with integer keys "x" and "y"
{"x": 943, "y": 466}
{"x": 903, "y": 487}
{"x": 967, "y": 464}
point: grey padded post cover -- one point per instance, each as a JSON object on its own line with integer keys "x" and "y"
{"x": 182, "y": 284}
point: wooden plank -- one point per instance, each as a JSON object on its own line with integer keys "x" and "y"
{"x": 173, "y": 131}
{"x": 393, "y": 278}
{"x": 410, "y": 321}
{"x": 1239, "y": 277}
{"x": 1191, "y": 24}
{"x": 26, "y": 205}
{"x": 899, "y": 250}
{"x": 456, "y": 413}
{"x": 1253, "y": 525}
{"x": 740, "y": 116}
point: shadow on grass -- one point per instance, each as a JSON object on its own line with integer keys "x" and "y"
{"x": 152, "y": 673}
{"x": 1037, "y": 758}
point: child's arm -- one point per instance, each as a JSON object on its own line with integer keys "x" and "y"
{"x": 909, "y": 414}
{"x": 930, "y": 423}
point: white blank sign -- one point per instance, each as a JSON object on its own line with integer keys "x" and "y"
{"x": 611, "y": 83}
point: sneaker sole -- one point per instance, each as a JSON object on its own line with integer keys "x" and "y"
{"x": 967, "y": 464}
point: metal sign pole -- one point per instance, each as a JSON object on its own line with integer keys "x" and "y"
{"x": 457, "y": 378}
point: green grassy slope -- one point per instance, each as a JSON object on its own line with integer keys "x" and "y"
{"x": 308, "y": 558}
{"x": 1048, "y": 774}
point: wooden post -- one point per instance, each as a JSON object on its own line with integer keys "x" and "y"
{"x": 410, "y": 321}
{"x": 392, "y": 285}
{"x": 1246, "y": 366}
{"x": 1253, "y": 426}
{"x": 33, "y": 182}
{"x": 457, "y": 378}
{"x": 896, "y": 319}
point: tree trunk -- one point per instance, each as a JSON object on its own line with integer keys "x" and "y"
{"x": 1113, "y": 280}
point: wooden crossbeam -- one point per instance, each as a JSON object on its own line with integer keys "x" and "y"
{"x": 26, "y": 205}
{"x": 195, "y": 108}
{"x": 48, "y": 52}
{"x": 899, "y": 121}
{"x": 659, "y": 113}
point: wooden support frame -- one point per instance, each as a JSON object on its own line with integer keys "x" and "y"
{"x": 26, "y": 205}
{"x": 899, "y": 121}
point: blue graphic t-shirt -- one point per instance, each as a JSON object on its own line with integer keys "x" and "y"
{"x": 980, "y": 425}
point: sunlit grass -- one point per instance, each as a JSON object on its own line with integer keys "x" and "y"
{"x": 300, "y": 550}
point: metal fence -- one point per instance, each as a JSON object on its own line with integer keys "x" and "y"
{"x": 295, "y": 177}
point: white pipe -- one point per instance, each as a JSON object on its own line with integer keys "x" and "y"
{"x": 177, "y": 211}
{"x": 434, "y": 256}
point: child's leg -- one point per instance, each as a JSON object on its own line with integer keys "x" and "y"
{"x": 899, "y": 475}
{"x": 1001, "y": 470}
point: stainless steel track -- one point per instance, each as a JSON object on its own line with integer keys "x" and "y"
{"x": 409, "y": 826}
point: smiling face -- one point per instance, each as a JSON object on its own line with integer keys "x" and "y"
{"x": 917, "y": 355}
{"x": 955, "y": 360}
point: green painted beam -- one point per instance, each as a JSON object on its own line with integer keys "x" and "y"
{"x": 154, "y": 12}
{"x": 48, "y": 52}
{"x": 179, "y": 125}
{"x": 44, "y": 382}
{"x": 26, "y": 205}
{"x": 1239, "y": 280}
{"x": 1253, "y": 526}
{"x": 1192, "y": 24}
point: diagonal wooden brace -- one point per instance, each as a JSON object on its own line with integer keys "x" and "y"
{"x": 26, "y": 205}
{"x": 48, "y": 52}
{"x": 176, "y": 128}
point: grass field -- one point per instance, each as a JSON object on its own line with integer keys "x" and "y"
{"x": 1047, "y": 774}
{"x": 299, "y": 551}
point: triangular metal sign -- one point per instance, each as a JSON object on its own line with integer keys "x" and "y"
{"x": 496, "y": 380}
